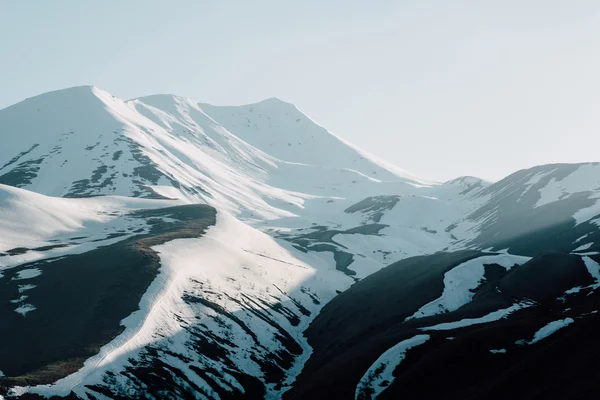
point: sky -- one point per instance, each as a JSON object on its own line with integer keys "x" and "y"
{"x": 439, "y": 88}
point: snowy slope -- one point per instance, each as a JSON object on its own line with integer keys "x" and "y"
{"x": 34, "y": 226}
{"x": 283, "y": 131}
{"x": 525, "y": 211}
{"x": 236, "y": 293}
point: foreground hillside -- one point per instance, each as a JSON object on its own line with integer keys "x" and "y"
{"x": 162, "y": 248}
{"x": 479, "y": 325}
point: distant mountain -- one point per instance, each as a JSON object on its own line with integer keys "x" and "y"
{"x": 163, "y": 248}
{"x": 547, "y": 208}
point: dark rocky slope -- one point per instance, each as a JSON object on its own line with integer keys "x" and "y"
{"x": 362, "y": 323}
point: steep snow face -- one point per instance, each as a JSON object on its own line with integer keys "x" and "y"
{"x": 72, "y": 143}
{"x": 283, "y": 131}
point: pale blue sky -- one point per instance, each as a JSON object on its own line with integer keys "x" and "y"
{"x": 440, "y": 88}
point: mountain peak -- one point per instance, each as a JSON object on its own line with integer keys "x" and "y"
{"x": 274, "y": 101}
{"x": 467, "y": 180}
{"x": 74, "y": 94}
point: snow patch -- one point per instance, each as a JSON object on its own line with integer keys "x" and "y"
{"x": 27, "y": 274}
{"x": 594, "y": 270}
{"x": 548, "y": 330}
{"x": 24, "y": 288}
{"x": 585, "y": 179}
{"x": 461, "y": 281}
{"x": 491, "y": 317}
{"x": 574, "y": 290}
{"x": 584, "y": 247}
{"x": 379, "y": 376}
{"x": 24, "y": 309}
{"x": 19, "y": 300}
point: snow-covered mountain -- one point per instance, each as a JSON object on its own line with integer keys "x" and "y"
{"x": 206, "y": 239}
{"x": 82, "y": 142}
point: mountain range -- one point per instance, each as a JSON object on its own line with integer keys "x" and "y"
{"x": 163, "y": 248}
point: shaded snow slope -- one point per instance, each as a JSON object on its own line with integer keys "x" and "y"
{"x": 545, "y": 208}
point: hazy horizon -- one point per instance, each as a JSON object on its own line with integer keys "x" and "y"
{"x": 441, "y": 90}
